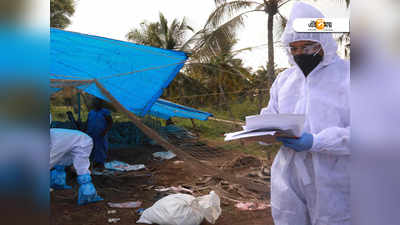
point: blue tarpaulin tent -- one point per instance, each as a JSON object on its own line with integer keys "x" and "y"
{"x": 133, "y": 74}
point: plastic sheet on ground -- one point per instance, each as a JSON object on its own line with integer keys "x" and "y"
{"x": 135, "y": 204}
{"x": 164, "y": 155}
{"x": 251, "y": 206}
{"x": 121, "y": 166}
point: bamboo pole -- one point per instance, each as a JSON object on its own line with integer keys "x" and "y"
{"x": 227, "y": 121}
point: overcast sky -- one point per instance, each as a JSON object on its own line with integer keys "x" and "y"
{"x": 114, "y": 18}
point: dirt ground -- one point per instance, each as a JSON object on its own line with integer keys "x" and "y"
{"x": 140, "y": 185}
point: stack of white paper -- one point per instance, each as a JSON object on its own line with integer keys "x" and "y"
{"x": 263, "y": 125}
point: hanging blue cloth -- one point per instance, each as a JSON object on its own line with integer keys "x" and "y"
{"x": 96, "y": 125}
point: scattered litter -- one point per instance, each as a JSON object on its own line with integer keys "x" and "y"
{"x": 113, "y": 220}
{"x": 111, "y": 211}
{"x": 140, "y": 211}
{"x": 121, "y": 166}
{"x": 178, "y": 162}
{"x": 183, "y": 209}
{"x": 164, "y": 155}
{"x": 175, "y": 189}
{"x": 251, "y": 206}
{"x": 125, "y": 204}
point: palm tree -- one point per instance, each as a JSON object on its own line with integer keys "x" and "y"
{"x": 221, "y": 73}
{"x": 160, "y": 34}
{"x": 60, "y": 12}
{"x": 237, "y": 9}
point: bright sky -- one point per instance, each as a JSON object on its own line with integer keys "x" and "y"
{"x": 114, "y": 18}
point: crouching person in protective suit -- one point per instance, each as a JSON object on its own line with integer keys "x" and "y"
{"x": 72, "y": 147}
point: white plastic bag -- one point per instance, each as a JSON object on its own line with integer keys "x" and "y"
{"x": 164, "y": 155}
{"x": 210, "y": 206}
{"x": 183, "y": 209}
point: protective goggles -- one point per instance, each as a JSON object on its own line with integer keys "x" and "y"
{"x": 312, "y": 49}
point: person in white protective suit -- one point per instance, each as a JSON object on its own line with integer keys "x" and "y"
{"x": 72, "y": 147}
{"x": 310, "y": 177}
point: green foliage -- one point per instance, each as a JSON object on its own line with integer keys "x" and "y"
{"x": 60, "y": 12}
{"x": 161, "y": 34}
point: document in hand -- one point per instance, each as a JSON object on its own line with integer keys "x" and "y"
{"x": 270, "y": 125}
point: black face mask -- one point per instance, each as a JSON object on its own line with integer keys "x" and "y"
{"x": 307, "y": 62}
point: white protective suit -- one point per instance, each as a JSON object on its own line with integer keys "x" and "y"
{"x": 70, "y": 147}
{"x": 312, "y": 187}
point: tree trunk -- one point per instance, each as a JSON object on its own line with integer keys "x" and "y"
{"x": 222, "y": 98}
{"x": 271, "y": 62}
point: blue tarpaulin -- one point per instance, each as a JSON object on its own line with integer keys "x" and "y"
{"x": 166, "y": 109}
{"x": 135, "y": 75}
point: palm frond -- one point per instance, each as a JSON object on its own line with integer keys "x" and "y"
{"x": 184, "y": 25}
{"x": 280, "y": 24}
{"x": 227, "y": 10}
{"x": 260, "y": 7}
{"x": 282, "y": 3}
{"x": 193, "y": 39}
{"x": 137, "y": 36}
{"x": 213, "y": 41}
{"x": 219, "y": 2}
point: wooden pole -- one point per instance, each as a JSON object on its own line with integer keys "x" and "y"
{"x": 78, "y": 95}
